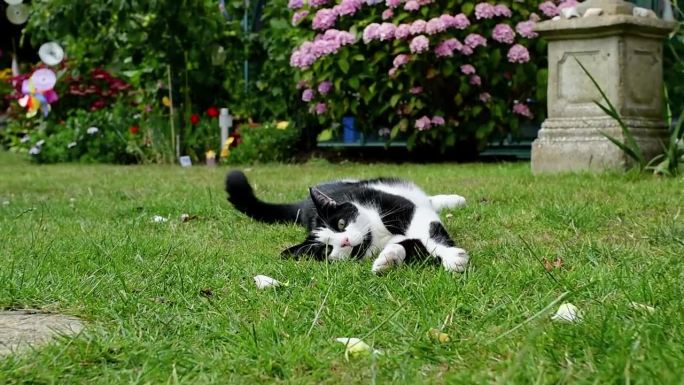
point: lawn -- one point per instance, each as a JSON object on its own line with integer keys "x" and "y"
{"x": 175, "y": 302}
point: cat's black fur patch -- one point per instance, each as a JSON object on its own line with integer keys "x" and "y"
{"x": 439, "y": 234}
{"x": 415, "y": 251}
{"x": 241, "y": 195}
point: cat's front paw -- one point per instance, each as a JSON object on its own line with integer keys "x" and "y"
{"x": 391, "y": 255}
{"x": 455, "y": 259}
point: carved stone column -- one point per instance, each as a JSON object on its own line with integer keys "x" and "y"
{"x": 622, "y": 48}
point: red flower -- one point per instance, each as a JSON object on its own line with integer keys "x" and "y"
{"x": 133, "y": 129}
{"x": 194, "y": 119}
{"x": 212, "y": 112}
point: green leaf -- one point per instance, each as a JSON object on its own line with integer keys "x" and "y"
{"x": 395, "y": 99}
{"x": 344, "y": 65}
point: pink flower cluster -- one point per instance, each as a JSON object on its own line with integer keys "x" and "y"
{"x": 467, "y": 69}
{"x": 299, "y": 16}
{"x": 295, "y": 4}
{"x": 398, "y": 61}
{"x": 388, "y": 31}
{"x": 317, "y": 3}
{"x": 489, "y": 11}
{"x": 419, "y": 44}
{"x": 518, "y": 54}
{"x": 393, "y": 3}
{"x": 503, "y": 33}
{"x": 525, "y": 29}
{"x": 523, "y": 110}
{"x": 550, "y": 9}
{"x": 447, "y": 47}
{"x": 475, "y": 40}
{"x": 348, "y": 7}
{"x": 325, "y": 18}
{"x": 324, "y": 87}
{"x": 424, "y": 123}
{"x": 328, "y": 43}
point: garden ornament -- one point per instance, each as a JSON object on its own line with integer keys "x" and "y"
{"x": 13, "y": 2}
{"x": 17, "y": 13}
{"x": 51, "y": 53}
{"x": 38, "y": 92}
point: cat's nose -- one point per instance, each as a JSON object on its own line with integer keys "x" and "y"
{"x": 345, "y": 242}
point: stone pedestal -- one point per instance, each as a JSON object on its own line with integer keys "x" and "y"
{"x": 623, "y": 53}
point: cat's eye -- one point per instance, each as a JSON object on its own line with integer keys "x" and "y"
{"x": 341, "y": 224}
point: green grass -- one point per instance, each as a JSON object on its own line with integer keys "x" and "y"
{"x": 79, "y": 239}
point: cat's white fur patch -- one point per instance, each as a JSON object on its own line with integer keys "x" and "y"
{"x": 392, "y": 255}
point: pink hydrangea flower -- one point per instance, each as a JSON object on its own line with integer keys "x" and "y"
{"x": 484, "y": 11}
{"x": 400, "y": 60}
{"x": 460, "y": 21}
{"x": 475, "y": 80}
{"x": 393, "y": 3}
{"x": 467, "y": 69}
{"x": 419, "y": 44}
{"x": 402, "y": 31}
{"x": 324, "y": 19}
{"x": 485, "y": 97}
{"x": 567, "y": 4}
{"x": 295, "y": 4}
{"x": 518, "y": 54}
{"x": 435, "y": 25}
{"x": 330, "y": 42}
{"x": 370, "y": 33}
{"x": 423, "y": 123}
{"x": 393, "y": 72}
{"x": 321, "y": 108}
{"x": 465, "y": 50}
{"x": 348, "y": 7}
{"x": 387, "y": 14}
{"x": 317, "y": 3}
{"x": 523, "y": 110}
{"x": 299, "y": 16}
{"x": 503, "y": 33}
{"x": 418, "y": 27}
{"x": 411, "y": 6}
{"x": 548, "y": 8}
{"x": 475, "y": 40}
{"x": 417, "y": 90}
{"x": 525, "y": 29}
{"x": 386, "y": 31}
{"x": 324, "y": 87}
{"x": 446, "y": 48}
{"x": 502, "y": 11}
{"x": 534, "y": 17}
{"x": 438, "y": 120}
{"x": 307, "y": 95}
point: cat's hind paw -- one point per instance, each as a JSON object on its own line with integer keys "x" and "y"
{"x": 455, "y": 259}
{"x": 440, "y": 202}
{"x": 391, "y": 255}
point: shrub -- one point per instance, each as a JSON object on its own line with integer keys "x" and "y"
{"x": 271, "y": 142}
{"x": 439, "y": 71}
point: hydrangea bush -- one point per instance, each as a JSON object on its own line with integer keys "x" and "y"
{"x": 434, "y": 71}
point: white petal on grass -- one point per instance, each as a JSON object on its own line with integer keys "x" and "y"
{"x": 158, "y": 219}
{"x": 567, "y": 312}
{"x": 92, "y": 130}
{"x": 641, "y": 306}
{"x": 263, "y": 282}
{"x": 355, "y": 347}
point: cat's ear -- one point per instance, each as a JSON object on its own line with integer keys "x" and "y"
{"x": 322, "y": 202}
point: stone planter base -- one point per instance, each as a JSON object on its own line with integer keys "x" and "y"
{"x": 572, "y": 144}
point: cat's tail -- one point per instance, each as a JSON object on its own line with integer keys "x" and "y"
{"x": 241, "y": 195}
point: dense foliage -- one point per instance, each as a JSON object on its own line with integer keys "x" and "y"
{"x": 437, "y": 71}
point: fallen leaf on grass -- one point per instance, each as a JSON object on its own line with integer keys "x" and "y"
{"x": 355, "y": 347}
{"x": 567, "y": 312}
{"x": 206, "y": 292}
{"x": 439, "y": 336}
{"x": 188, "y": 217}
{"x": 159, "y": 219}
{"x": 549, "y": 265}
{"x": 641, "y": 306}
{"x": 263, "y": 282}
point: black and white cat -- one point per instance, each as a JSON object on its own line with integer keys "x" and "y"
{"x": 352, "y": 219}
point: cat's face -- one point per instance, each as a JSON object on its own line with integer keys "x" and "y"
{"x": 345, "y": 230}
